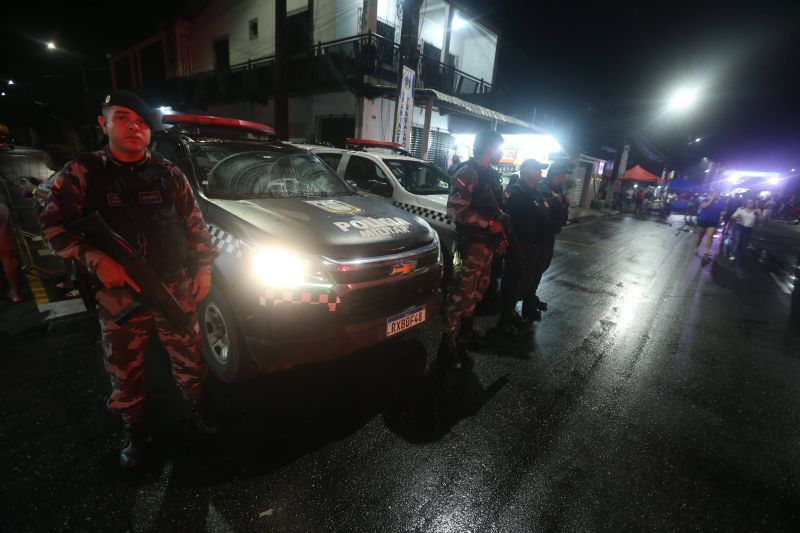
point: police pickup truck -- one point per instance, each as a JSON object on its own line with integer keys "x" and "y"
{"x": 384, "y": 170}
{"x": 309, "y": 269}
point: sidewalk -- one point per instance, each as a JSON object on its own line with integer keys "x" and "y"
{"x": 579, "y": 215}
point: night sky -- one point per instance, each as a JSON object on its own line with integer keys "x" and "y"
{"x": 591, "y": 71}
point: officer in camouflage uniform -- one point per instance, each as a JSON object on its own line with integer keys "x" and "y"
{"x": 148, "y": 201}
{"x": 472, "y": 205}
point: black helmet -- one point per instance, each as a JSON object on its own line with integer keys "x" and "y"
{"x": 484, "y": 139}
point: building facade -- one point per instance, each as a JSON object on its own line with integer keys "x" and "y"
{"x": 342, "y": 62}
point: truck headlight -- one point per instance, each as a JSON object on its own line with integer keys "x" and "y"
{"x": 282, "y": 268}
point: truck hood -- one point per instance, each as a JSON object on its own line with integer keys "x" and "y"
{"x": 340, "y": 228}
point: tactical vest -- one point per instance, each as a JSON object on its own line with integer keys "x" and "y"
{"x": 482, "y": 202}
{"x": 138, "y": 202}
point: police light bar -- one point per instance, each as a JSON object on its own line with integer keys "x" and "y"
{"x": 369, "y": 143}
{"x": 207, "y": 120}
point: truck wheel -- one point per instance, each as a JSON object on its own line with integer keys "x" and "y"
{"x": 223, "y": 349}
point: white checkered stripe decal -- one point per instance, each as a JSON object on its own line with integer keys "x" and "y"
{"x": 225, "y": 241}
{"x": 424, "y": 212}
{"x": 274, "y": 297}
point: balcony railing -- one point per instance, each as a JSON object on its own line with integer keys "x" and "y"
{"x": 337, "y": 63}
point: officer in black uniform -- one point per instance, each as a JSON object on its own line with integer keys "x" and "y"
{"x": 552, "y": 190}
{"x": 529, "y": 213}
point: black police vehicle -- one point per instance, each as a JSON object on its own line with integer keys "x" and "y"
{"x": 309, "y": 270}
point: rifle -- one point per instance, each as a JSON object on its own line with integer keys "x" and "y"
{"x": 154, "y": 293}
{"x": 508, "y": 227}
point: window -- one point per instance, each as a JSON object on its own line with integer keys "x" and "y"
{"x": 331, "y": 159}
{"x": 253, "y": 29}
{"x": 222, "y": 60}
{"x": 248, "y": 171}
{"x": 419, "y": 178}
{"x": 368, "y": 176}
{"x": 172, "y": 152}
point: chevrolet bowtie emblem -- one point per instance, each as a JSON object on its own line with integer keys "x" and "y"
{"x": 403, "y": 268}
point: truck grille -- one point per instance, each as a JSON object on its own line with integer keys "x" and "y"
{"x": 372, "y": 302}
{"x": 382, "y": 268}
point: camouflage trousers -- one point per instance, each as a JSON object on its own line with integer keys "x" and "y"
{"x": 124, "y": 346}
{"x": 471, "y": 276}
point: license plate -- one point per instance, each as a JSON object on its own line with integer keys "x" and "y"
{"x": 406, "y": 320}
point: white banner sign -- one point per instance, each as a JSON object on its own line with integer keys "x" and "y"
{"x": 405, "y": 109}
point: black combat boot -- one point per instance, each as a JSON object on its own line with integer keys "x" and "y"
{"x": 507, "y": 325}
{"x": 134, "y": 453}
{"x": 451, "y": 355}
{"x": 205, "y": 423}
{"x": 469, "y": 336}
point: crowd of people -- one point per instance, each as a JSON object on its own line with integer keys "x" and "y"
{"x": 736, "y": 215}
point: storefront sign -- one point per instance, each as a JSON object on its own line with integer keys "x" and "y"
{"x": 405, "y": 109}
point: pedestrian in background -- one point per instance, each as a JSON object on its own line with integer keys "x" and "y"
{"x": 455, "y": 163}
{"x": 639, "y": 201}
{"x": 691, "y": 209}
{"x": 766, "y": 213}
{"x": 708, "y": 218}
{"x": 472, "y": 205}
{"x": 744, "y": 219}
{"x": 552, "y": 191}
{"x": 529, "y": 214}
{"x": 148, "y": 201}
{"x": 8, "y": 256}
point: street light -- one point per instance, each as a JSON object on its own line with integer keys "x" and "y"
{"x": 11, "y": 82}
{"x": 683, "y": 99}
{"x": 51, "y": 45}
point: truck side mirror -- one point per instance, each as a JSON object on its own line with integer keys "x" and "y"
{"x": 382, "y": 188}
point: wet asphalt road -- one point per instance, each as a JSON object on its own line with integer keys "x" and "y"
{"x": 656, "y": 394}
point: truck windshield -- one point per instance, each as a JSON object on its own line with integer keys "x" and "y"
{"x": 418, "y": 177}
{"x": 249, "y": 171}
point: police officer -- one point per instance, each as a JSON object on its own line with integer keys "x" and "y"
{"x": 148, "y": 201}
{"x": 552, "y": 190}
{"x": 529, "y": 212}
{"x": 473, "y": 206}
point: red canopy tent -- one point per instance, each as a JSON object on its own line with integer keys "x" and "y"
{"x": 637, "y": 173}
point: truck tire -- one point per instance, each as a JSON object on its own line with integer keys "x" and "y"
{"x": 223, "y": 348}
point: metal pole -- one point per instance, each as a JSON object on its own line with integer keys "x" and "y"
{"x": 426, "y": 130}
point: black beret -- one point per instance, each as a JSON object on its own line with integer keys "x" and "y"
{"x": 134, "y": 102}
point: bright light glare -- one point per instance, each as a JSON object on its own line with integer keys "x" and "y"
{"x": 698, "y": 140}
{"x": 773, "y": 181}
{"x": 525, "y": 145}
{"x": 11, "y": 82}
{"x": 165, "y": 109}
{"x": 3, "y": 93}
{"x": 51, "y": 45}
{"x": 734, "y": 174}
{"x": 684, "y": 99}
{"x": 279, "y": 268}
{"x": 458, "y": 22}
